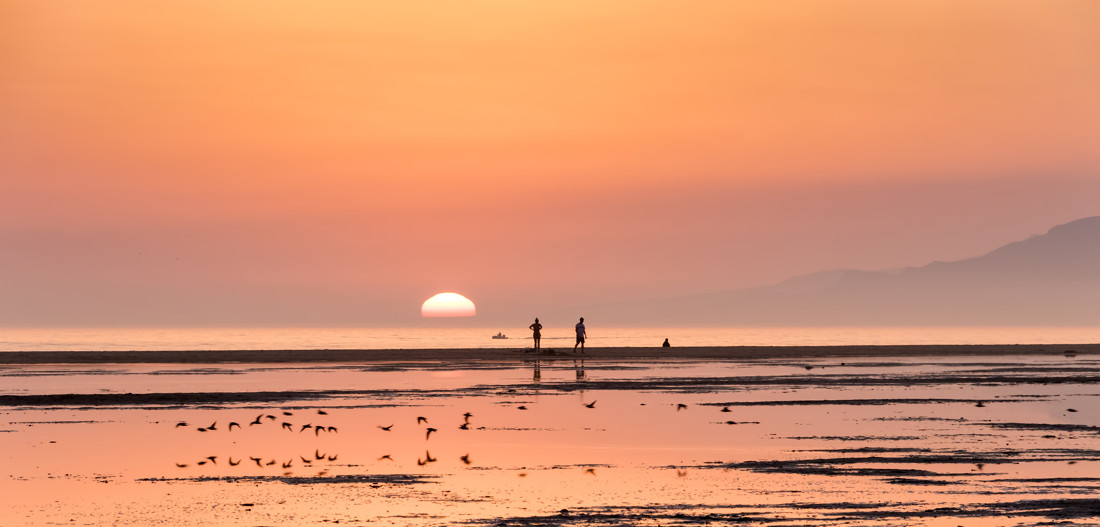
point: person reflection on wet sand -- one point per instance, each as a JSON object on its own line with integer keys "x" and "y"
{"x": 579, "y": 367}
{"x": 538, "y": 372}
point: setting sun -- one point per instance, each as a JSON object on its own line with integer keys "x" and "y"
{"x": 448, "y": 305}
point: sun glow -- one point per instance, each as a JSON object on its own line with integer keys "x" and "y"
{"x": 448, "y": 305}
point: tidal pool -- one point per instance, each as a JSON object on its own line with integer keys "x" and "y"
{"x": 1011, "y": 440}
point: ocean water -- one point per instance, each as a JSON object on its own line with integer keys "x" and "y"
{"x": 113, "y": 339}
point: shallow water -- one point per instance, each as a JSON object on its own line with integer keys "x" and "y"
{"x": 975, "y": 441}
{"x": 558, "y": 336}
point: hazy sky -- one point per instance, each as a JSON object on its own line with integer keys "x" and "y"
{"x": 338, "y": 162}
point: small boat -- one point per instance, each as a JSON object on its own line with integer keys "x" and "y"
{"x": 500, "y": 335}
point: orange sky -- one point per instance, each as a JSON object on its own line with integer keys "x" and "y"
{"x": 340, "y": 161}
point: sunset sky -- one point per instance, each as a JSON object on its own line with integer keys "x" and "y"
{"x": 338, "y": 162}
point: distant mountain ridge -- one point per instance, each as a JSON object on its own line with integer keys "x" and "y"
{"x": 1048, "y": 279}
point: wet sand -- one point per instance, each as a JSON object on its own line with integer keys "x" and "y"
{"x": 858, "y": 435}
{"x": 489, "y": 354}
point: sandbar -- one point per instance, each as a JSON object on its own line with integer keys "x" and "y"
{"x": 512, "y": 354}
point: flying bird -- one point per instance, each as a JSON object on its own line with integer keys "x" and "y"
{"x": 421, "y": 420}
{"x": 272, "y": 462}
{"x": 464, "y": 426}
{"x": 429, "y": 434}
{"x": 288, "y": 426}
{"x": 332, "y": 430}
{"x": 465, "y": 459}
{"x": 213, "y": 459}
{"x": 322, "y": 412}
{"x": 287, "y": 413}
{"x": 681, "y": 406}
{"x": 258, "y": 420}
{"x": 304, "y": 428}
{"x": 306, "y": 460}
{"x": 386, "y": 456}
{"x": 232, "y": 424}
{"x": 591, "y": 404}
{"x": 212, "y": 427}
{"x": 386, "y": 428}
{"x": 318, "y": 429}
{"x": 233, "y": 463}
{"x": 258, "y": 461}
{"x": 288, "y": 464}
{"x": 181, "y": 465}
{"x": 317, "y": 454}
{"x": 271, "y": 417}
{"x": 333, "y": 457}
{"x": 181, "y": 423}
{"x": 521, "y": 407}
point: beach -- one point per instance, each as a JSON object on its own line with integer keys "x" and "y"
{"x": 850, "y": 435}
{"x": 498, "y": 354}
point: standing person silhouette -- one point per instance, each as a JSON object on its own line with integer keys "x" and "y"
{"x": 580, "y": 336}
{"x": 537, "y": 328}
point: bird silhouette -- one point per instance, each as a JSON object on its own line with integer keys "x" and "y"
{"x": 201, "y": 463}
{"x": 1071, "y": 409}
{"x": 270, "y": 417}
{"x": 429, "y": 434}
{"x": 288, "y": 464}
{"x": 306, "y": 460}
{"x": 467, "y": 415}
{"x": 590, "y": 471}
{"x": 234, "y": 463}
{"x": 332, "y": 430}
{"x": 386, "y": 428}
{"x": 521, "y": 407}
{"x": 725, "y": 408}
{"x": 287, "y": 413}
{"x": 333, "y": 457}
{"x": 464, "y": 426}
{"x": 421, "y": 419}
{"x": 681, "y": 406}
{"x": 213, "y": 426}
{"x": 258, "y": 461}
{"x": 201, "y": 429}
{"x": 322, "y": 412}
{"x": 428, "y": 457}
{"x": 465, "y": 459}
{"x": 304, "y": 428}
{"x": 386, "y": 456}
{"x": 317, "y": 454}
{"x": 181, "y": 465}
{"x": 272, "y": 462}
{"x": 591, "y": 404}
{"x": 317, "y": 431}
{"x": 232, "y": 424}
{"x": 288, "y": 426}
{"x": 213, "y": 459}
{"x": 421, "y": 462}
{"x": 181, "y": 423}
{"x": 808, "y": 368}
{"x": 258, "y": 421}
{"x": 980, "y": 404}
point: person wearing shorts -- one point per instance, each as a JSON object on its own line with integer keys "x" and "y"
{"x": 580, "y": 336}
{"x": 537, "y": 328}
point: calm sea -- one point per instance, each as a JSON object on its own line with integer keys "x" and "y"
{"x": 110, "y": 339}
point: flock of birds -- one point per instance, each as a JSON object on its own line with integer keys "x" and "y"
{"x": 318, "y": 458}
